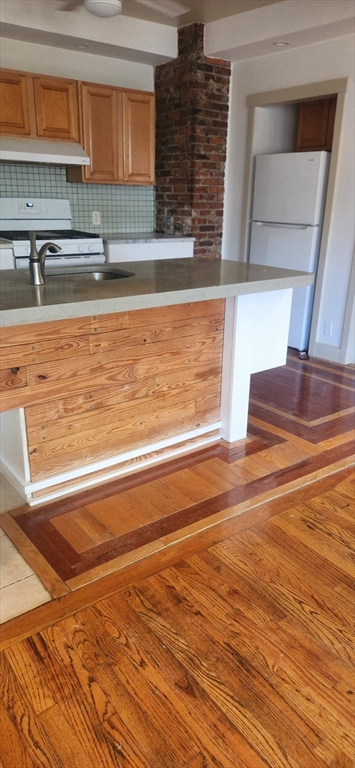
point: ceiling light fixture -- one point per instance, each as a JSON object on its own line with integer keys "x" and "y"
{"x": 103, "y": 8}
{"x": 281, "y": 43}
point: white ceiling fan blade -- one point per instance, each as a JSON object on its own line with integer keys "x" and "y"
{"x": 171, "y": 8}
{"x": 70, "y": 5}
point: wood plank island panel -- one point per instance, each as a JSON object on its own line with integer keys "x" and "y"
{"x": 96, "y": 387}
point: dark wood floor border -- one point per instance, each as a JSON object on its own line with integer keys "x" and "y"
{"x": 205, "y": 509}
{"x": 68, "y": 563}
{"x": 318, "y": 363}
{"x": 312, "y": 433}
{"x": 307, "y": 398}
{"x": 51, "y": 544}
{"x": 343, "y": 377}
{"x": 45, "y": 616}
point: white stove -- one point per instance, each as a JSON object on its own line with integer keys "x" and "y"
{"x": 51, "y": 221}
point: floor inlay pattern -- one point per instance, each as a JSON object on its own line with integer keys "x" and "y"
{"x": 301, "y": 428}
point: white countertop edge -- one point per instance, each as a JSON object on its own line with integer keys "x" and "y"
{"x": 117, "y": 239}
{"x": 67, "y": 311}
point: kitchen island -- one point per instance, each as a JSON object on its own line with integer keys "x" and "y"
{"x": 100, "y": 378}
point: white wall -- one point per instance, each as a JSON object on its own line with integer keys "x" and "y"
{"x": 32, "y": 57}
{"x": 314, "y": 63}
{"x": 275, "y": 129}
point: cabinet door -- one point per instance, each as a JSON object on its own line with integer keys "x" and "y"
{"x": 102, "y": 132}
{"x": 14, "y": 114}
{"x": 315, "y": 124}
{"x": 139, "y": 139}
{"x": 56, "y": 103}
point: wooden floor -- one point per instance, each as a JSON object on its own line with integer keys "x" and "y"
{"x": 202, "y": 612}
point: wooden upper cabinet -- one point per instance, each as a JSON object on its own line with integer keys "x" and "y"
{"x": 102, "y": 132}
{"x": 14, "y": 104}
{"x": 38, "y": 106}
{"x": 56, "y": 106}
{"x": 316, "y": 124}
{"x": 115, "y": 125}
{"x": 117, "y": 132}
{"x": 138, "y": 137}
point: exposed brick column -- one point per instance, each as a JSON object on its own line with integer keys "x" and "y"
{"x": 192, "y": 95}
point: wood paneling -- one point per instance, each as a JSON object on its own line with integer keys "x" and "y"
{"x": 43, "y": 351}
{"x": 100, "y": 386}
{"x": 12, "y": 336}
{"x": 12, "y": 378}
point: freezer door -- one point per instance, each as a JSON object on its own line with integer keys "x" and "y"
{"x": 290, "y": 187}
{"x": 289, "y": 247}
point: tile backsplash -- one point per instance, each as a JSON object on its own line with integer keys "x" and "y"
{"x": 122, "y": 208}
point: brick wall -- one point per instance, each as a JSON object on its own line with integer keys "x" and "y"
{"x": 192, "y": 95}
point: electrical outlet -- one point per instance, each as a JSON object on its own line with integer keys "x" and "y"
{"x": 96, "y": 217}
{"x": 328, "y": 329}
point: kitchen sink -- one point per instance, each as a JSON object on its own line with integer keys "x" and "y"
{"x": 90, "y": 275}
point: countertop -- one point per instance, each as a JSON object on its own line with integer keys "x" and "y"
{"x": 5, "y": 243}
{"x": 153, "y": 284}
{"x": 146, "y": 237}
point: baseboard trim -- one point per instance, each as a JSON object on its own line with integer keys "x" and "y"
{"x": 327, "y": 352}
{"x": 117, "y": 466}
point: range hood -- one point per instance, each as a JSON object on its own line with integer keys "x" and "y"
{"x": 41, "y": 151}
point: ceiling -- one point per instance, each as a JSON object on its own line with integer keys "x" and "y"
{"x": 200, "y": 10}
{"x": 235, "y": 30}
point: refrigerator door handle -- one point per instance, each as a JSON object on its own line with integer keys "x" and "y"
{"x": 283, "y": 226}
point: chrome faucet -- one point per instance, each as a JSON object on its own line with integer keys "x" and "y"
{"x": 37, "y": 259}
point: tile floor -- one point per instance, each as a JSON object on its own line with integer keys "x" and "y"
{"x": 20, "y": 588}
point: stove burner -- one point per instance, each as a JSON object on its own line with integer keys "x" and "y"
{"x": 58, "y": 234}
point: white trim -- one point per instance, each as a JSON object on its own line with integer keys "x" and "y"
{"x": 24, "y": 444}
{"x": 14, "y": 443}
{"x": 326, "y": 352}
{"x": 347, "y": 349}
{"x": 13, "y": 478}
{"x": 298, "y": 92}
{"x": 115, "y": 463}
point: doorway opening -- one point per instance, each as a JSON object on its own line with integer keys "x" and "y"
{"x": 273, "y": 122}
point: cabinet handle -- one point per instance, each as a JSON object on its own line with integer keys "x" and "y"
{"x": 283, "y": 226}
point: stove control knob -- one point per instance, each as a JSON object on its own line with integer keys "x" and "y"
{"x": 28, "y": 250}
{"x": 81, "y": 248}
{"x": 91, "y": 248}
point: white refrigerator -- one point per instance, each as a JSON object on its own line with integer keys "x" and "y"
{"x": 288, "y": 205}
